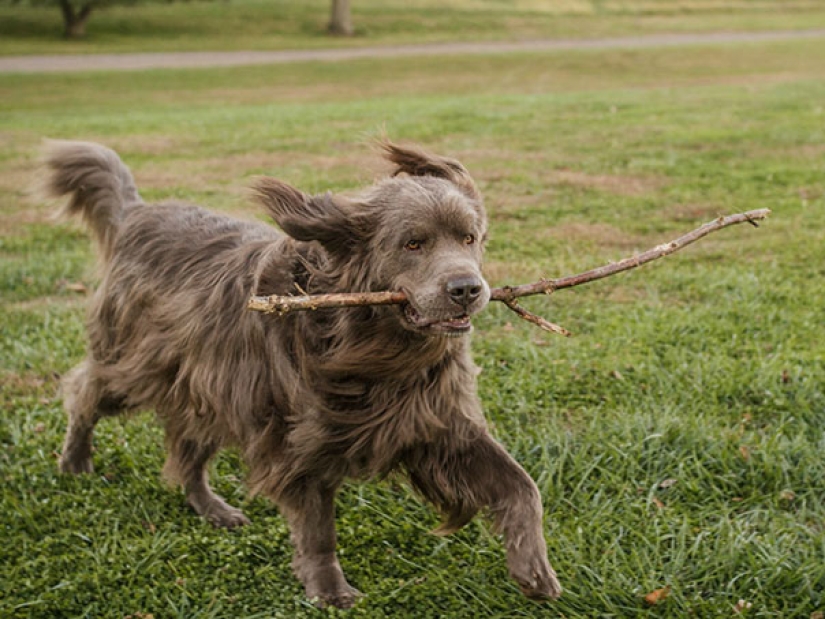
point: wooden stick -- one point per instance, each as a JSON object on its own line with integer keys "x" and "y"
{"x": 548, "y": 286}
{"x": 283, "y": 304}
{"x": 540, "y": 322}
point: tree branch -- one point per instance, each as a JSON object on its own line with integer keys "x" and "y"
{"x": 283, "y": 304}
{"x": 540, "y": 322}
{"x": 277, "y": 304}
{"x": 548, "y": 286}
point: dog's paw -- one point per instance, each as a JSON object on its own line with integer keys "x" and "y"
{"x": 215, "y": 510}
{"x": 226, "y": 517}
{"x": 341, "y": 597}
{"x": 536, "y": 579}
{"x": 325, "y": 583}
{"x": 75, "y": 466}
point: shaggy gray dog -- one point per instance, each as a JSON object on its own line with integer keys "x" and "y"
{"x": 310, "y": 398}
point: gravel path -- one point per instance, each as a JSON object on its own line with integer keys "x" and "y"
{"x": 177, "y": 60}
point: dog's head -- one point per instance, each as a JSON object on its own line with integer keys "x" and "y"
{"x": 422, "y": 232}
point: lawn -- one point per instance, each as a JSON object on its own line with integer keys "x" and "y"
{"x": 262, "y": 24}
{"x": 677, "y": 437}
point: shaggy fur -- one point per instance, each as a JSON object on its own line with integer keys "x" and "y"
{"x": 310, "y": 398}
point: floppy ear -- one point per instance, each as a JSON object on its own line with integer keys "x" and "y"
{"x": 304, "y": 217}
{"x": 416, "y": 162}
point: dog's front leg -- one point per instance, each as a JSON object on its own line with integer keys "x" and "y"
{"x": 309, "y": 507}
{"x": 461, "y": 480}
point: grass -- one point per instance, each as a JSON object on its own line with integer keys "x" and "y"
{"x": 258, "y": 24}
{"x": 677, "y": 439}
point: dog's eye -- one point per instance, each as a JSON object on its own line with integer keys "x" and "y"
{"x": 469, "y": 239}
{"x": 413, "y": 245}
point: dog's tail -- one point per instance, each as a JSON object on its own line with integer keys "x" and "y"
{"x": 99, "y": 185}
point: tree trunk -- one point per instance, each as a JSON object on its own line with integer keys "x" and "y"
{"x": 340, "y": 22}
{"x": 74, "y": 23}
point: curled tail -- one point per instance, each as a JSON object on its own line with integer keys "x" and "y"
{"x": 99, "y": 185}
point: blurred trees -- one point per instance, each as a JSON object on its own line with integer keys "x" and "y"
{"x": 76, "y": 14}
{"x": 75, "y": 17}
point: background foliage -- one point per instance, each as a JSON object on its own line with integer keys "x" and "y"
{"x": 262, "y": 24}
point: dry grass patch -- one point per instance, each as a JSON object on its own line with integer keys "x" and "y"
{"x": 513, "y": 273}
{"x": 809, "y": 194}
{"x": 599, "y": 234}
{"x": 626, "y": 294}
{"x": 16, "y": 172}
{"x": 29, "y": 212}
{"x": 148, "y": 144}
{"x": 690, "y": 212}
{"x": 810, "y": 151}
{"x": 229, "y": 177}
{"x": 621, "y": 185}
{"x": 64, "y": 301}
{"x": 218, "y": 171}
{"x": 26, "y": 383}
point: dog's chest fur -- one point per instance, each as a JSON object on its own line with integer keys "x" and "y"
{"x": 358, "y": 419}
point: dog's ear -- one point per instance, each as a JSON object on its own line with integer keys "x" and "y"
{"x": 319, "y": 218}
{"x": 416, "y": 162}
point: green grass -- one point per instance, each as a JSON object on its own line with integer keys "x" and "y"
{"x": 677, "y": 438}
{"x": 260, "y": 24}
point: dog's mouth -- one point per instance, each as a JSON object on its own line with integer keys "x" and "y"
{"x": 455, "y": 326}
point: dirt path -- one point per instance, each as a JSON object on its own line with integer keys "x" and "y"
{"x": 176, "y": 60}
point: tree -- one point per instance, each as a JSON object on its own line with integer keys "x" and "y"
{"x": 340, "y": 21}
{"x": 76, "y": 12}
{"x": 74, "y": 18}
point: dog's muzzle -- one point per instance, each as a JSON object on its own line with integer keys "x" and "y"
{"x": 454, "y": 326}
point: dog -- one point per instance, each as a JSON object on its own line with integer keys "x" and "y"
{"x": 310, "y": 398}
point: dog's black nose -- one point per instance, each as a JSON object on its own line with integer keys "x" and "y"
{"x": 464, "y": 290}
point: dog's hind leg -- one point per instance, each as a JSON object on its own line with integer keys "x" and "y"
{"x": 310, "y": 511}
{"x": 186, "y": 463}
{"x": 86, "y": 402}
